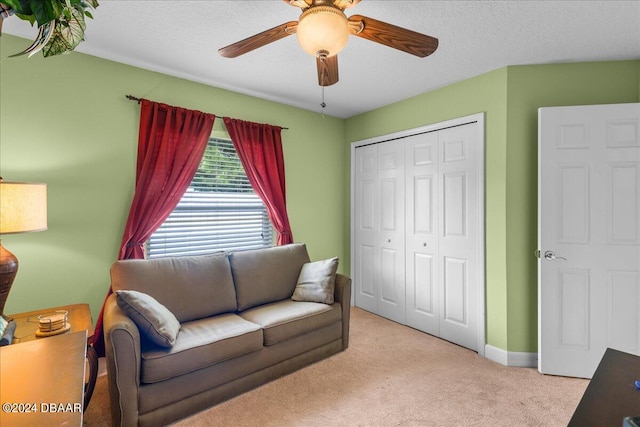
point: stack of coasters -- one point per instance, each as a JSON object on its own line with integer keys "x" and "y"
{"x": 53, "y": 323}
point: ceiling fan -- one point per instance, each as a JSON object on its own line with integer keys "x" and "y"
{"x": 323, "y": 31}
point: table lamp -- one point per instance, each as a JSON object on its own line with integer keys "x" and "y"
{"x": 23, "y": 208}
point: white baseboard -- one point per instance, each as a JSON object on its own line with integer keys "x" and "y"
{"x": 511, "y": 358}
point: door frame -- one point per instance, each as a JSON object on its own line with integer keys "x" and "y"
{"x": 480, "y": 249}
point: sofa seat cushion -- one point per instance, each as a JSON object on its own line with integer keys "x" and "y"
{"x": 199, "y": 344}
{"x": 288, "y": 319}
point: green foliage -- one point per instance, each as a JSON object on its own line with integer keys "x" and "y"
{"x": 66, "y": 35}
{"x": 221, "y": 171}
{"x": 44, "y": 11}
{"x": 62, "y": 22}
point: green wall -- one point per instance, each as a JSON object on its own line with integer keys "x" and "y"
{"x": 510, "y": 98}
{"x": 529, "y": 88}
{"x": 65, "y": 121}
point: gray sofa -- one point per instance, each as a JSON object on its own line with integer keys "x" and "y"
{"x": 238, "y": 329}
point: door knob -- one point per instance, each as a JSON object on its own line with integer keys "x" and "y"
{"x": 550, "y": 256}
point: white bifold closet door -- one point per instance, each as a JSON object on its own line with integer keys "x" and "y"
{"x": 417, "y": 234}
{"x": 380, "y": 229}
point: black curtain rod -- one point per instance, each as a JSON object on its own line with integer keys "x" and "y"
{"x": 139, "y": 100}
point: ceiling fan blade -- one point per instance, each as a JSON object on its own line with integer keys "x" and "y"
{"x": 390, "y": 35}
{"x": 259, "y": 40}
{"x": 327, "y": 70}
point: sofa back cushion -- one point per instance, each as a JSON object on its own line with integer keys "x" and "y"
{"x": 191, "y": 287}
{"x": 262, "y": 276}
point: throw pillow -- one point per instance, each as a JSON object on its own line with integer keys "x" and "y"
{"x": 154, "y": 320}
{"x": 317, "y": 281}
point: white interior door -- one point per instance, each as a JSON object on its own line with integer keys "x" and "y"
{"x": 589, "y": 235}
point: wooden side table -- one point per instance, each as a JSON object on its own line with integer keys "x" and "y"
{"x": 42, "y": 381}
{"x": 79, "y": 318}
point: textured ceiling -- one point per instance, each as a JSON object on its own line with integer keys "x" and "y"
{"x": 181, "y": 38}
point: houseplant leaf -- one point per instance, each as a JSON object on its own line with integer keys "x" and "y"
{"x": 61, "y": 22}
{"x": 20, "y": 6}
{"x": 44, "y": 35}
{"x": 46, "y": 10}
{"x": 67, "y": 34}
{"x": 22, "y": 9}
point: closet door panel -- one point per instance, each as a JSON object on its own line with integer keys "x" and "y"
{"x": 388, "y": 277}
{"x": 455, "y": 291}
{"x": 458, "y": 235}
{"x": 391, "y": 302}
{"x": 366, "y": 269}
{"x": 454, "y": 205}
{"x": 366, "y": 226}
{"x": 421, "y": 238}
{"x": 423, "y": 296}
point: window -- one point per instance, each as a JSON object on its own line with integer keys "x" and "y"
{"x": 219, "y": 210}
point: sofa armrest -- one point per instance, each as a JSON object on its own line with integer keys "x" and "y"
{"x": 343, "y": 296}
{"x": 122, "y": 348}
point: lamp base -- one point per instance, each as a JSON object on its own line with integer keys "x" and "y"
{"x": 8, "y": 270}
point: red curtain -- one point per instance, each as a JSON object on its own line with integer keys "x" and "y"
{"x": 171, "y": 142}
{"x": 259, "y": 147}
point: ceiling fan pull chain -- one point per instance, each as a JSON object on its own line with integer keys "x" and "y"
{"x": 323, "y": 105}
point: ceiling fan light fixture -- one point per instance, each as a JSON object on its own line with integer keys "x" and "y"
{"x": 323, "y": 28}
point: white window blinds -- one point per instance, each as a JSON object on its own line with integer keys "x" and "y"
{"x": 218, "y": 212}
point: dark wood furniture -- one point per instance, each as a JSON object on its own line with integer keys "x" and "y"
{"x": 42, "y": 381}
{"x": 612, "y": 394}
{"x": 80, "y": 320}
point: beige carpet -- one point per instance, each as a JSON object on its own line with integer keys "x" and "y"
{"x": 391, "y": 375}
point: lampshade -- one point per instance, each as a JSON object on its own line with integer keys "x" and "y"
{"x": 323, "y": 28}
{"x": 23, "y": 207}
